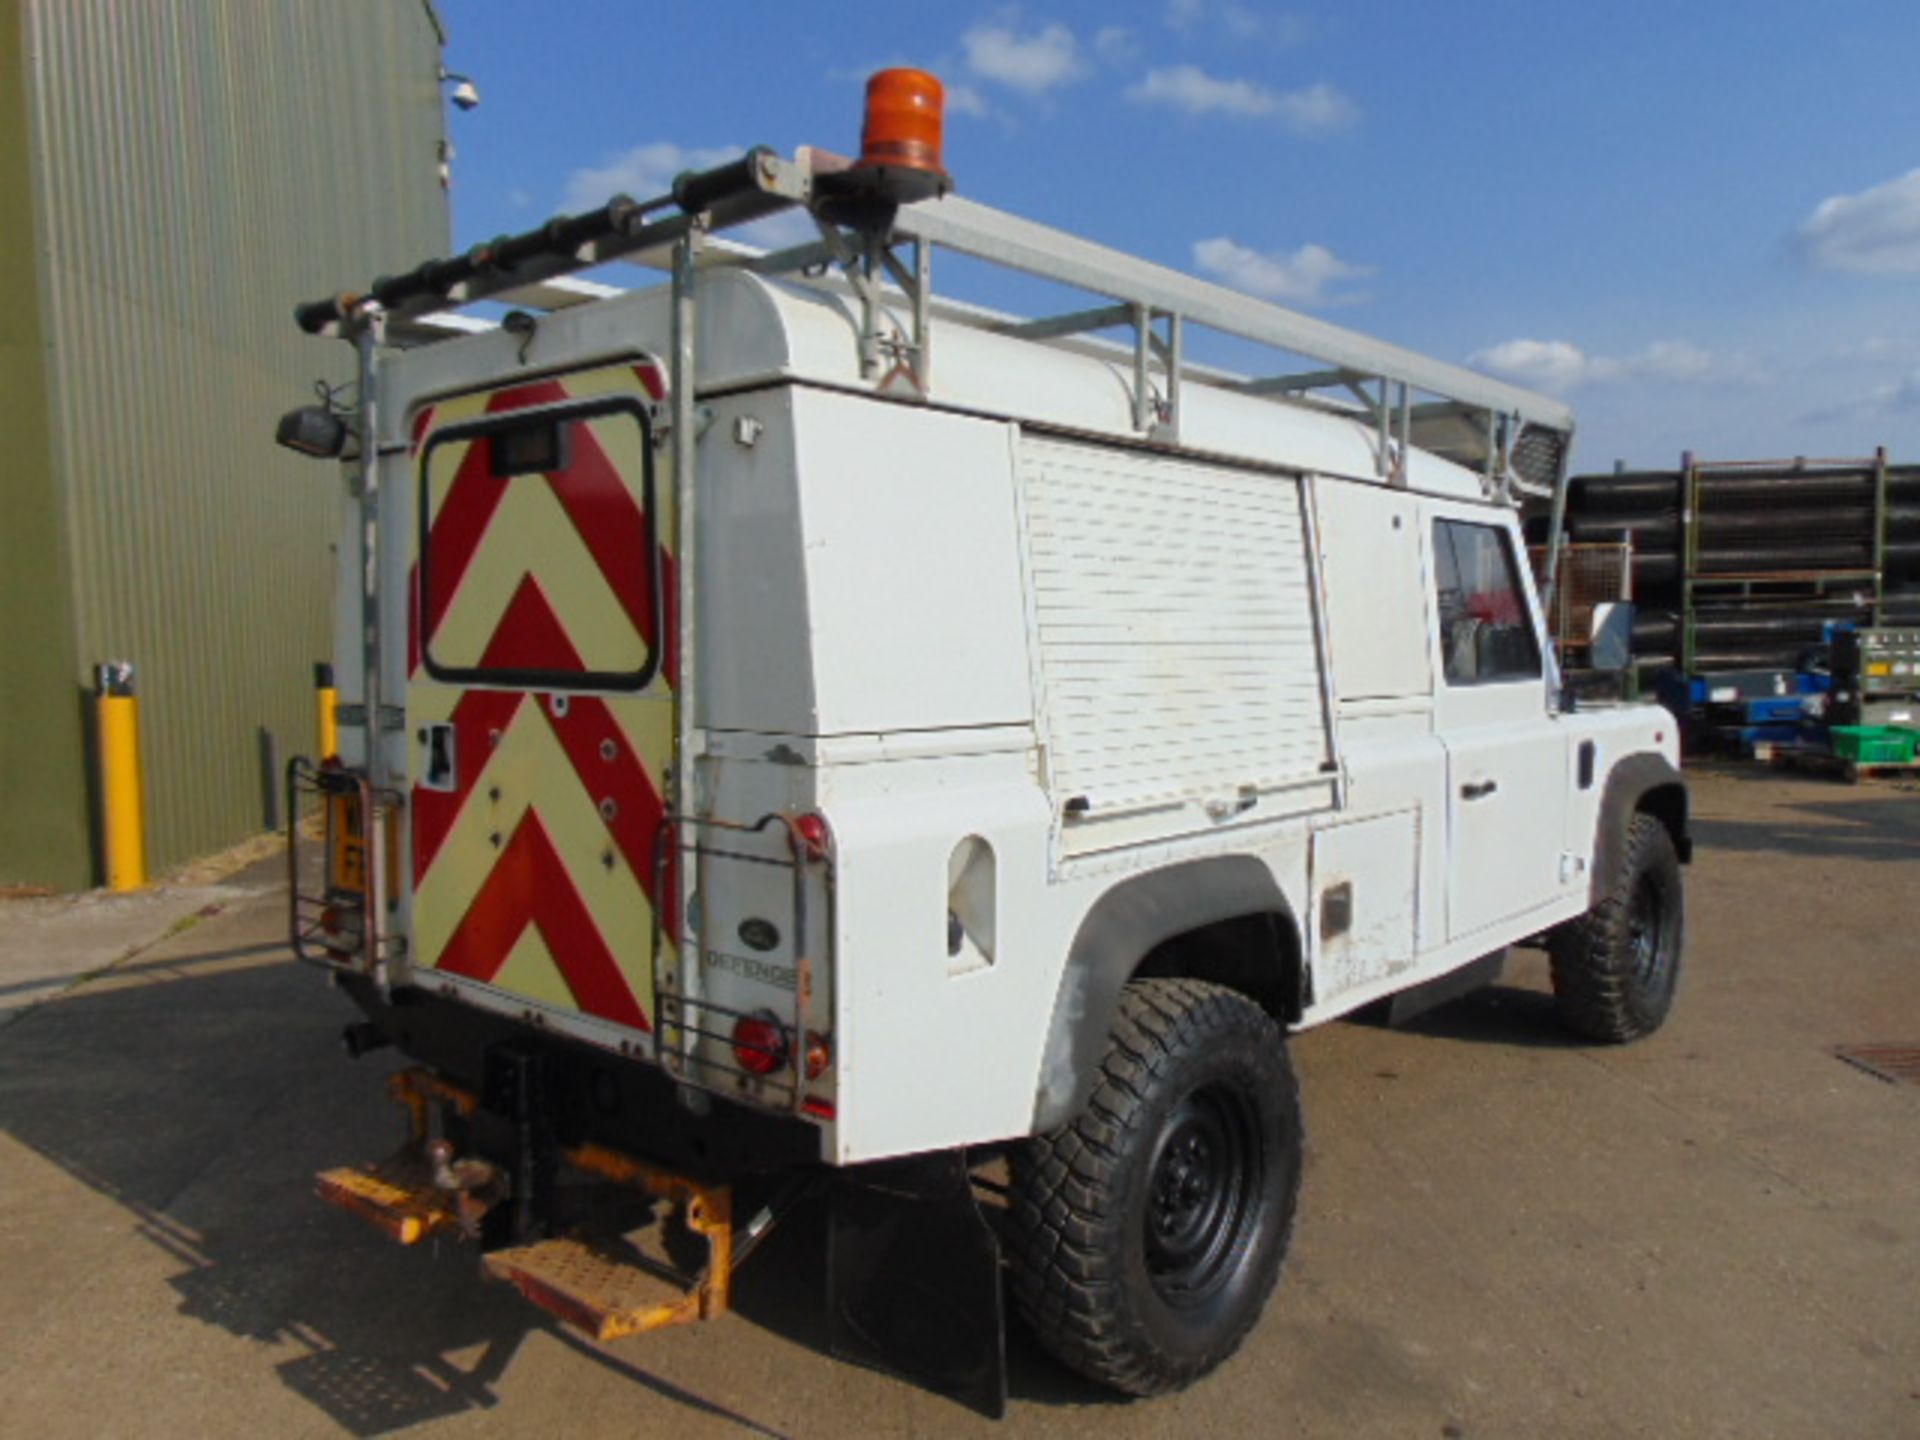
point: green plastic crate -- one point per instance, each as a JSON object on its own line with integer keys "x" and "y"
{"x": 1874, "y": 744}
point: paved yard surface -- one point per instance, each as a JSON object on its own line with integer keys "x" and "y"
{"x": 1713, "y": 1233}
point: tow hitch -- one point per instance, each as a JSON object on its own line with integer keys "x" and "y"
{"x": 601, "y": 1282}
{"x": 913, "y": 1285}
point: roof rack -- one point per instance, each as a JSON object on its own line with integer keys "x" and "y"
{"x": 1519, "y": 440}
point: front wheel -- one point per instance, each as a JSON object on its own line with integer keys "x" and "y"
{"x": 1615, "y": 968}
{"x": 1148, "y": 1233}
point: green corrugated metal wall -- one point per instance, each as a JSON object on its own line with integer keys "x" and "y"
{"x": 43, "y": 796}
{"x": 198, "y": 167}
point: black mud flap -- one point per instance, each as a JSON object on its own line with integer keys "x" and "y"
{"x": 913, "y": 1279}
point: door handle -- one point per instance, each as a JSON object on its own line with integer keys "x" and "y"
{"x": 438, "y": 771}
{"x": 1479, "y": 790}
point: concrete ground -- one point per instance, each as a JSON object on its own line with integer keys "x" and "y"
{"x": 50, "y": 943}
{"x": 1715, "y": 1232}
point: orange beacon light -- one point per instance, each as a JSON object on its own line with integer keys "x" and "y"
{"x": 903, "y": 120}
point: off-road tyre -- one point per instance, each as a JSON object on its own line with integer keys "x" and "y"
{"x": 1147, "y": 1234}
{"x": 1615, "y": 968}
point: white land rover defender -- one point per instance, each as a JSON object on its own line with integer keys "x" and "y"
{"x": 801, "y": 735}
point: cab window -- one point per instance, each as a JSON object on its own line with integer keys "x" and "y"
{"x": 1486, "y": 632}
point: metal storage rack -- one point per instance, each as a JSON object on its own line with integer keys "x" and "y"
{"x": 1776, "y": 588}
{"x": 1740, "y": 565}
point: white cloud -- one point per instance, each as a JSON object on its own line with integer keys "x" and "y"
{"x": 518, "y": 198}
{"x": 1115, "y": 44}
{"x": 1874, "y": 349}
{"x": 963, "y": 99}
{"x": 1317, "y": 108}
{"x": 1552, "y": 364}
{"x": 1189, "y": 88}
{"x": 1562, "y": 365}
{"x": 1675, "y": 360}
{"x": 642, "y": 172}
{"x": 1306, "y": 277}
{"x": 1899, "y": 396}
{"x": 1239, "y": 22}
{"x": 778, "y": 232}
{"x": 1876, "y": 232}
{"x": 648, "y": 170}
{"x": 1032, "y": 63}
{"x": 1314, "y": 110}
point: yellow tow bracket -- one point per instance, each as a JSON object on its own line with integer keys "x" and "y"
{"x": 397, "y": 1195}
{"x": 605, "y": 1289}
{"x": 600, "y": 1286}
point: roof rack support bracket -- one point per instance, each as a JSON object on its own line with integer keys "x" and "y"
{"x": 1142, "y": 353}
{"x": 1166, "y": 427}
{"x": 1077, "y": 322}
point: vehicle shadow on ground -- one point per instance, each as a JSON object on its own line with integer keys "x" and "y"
{"x": 1497, "y": 1015}
{"x": 202, "y": 1093}
{"x": 203, "y": 1103}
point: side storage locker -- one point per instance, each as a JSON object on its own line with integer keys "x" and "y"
{"x": 1178, "y": 644}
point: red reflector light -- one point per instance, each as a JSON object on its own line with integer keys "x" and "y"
{"x": 819, "y": 1054}
{"x": 759, "y": 1044}
{"x": 818, "y": 1108}
{"x": 814, "y": 835}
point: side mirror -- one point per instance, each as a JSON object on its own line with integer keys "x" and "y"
{"x": 1610, "y": 641}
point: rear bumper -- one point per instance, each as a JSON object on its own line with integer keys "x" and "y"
{"x": 591, "y": 1096}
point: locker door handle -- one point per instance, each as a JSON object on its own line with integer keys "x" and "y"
{"x": 1479, "y": 790}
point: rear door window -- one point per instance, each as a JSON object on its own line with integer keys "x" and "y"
{"x": 538, "y": 548}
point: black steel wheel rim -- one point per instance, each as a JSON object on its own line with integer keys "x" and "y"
{"x": 1647, "y": 930}
{"x": 1202, "y": 1194}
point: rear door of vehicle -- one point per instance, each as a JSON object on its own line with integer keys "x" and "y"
{"x": 540, "y": 701}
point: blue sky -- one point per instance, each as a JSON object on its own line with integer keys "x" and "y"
{"x": 1699, "y": 222}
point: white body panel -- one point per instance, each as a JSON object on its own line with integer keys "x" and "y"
{"x": 941, "y": 629}
{"x": 1374, "y": 862}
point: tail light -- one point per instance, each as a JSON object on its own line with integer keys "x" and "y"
{"x": 340, "y": 925}
{"x": 813, "y": 833}
{"x": 819, "y": 1054}
{"x": 760, "y": 1043}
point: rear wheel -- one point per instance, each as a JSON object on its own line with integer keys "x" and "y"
{"x": 1615, "y": 968}
{"x": 1149, "y": 1232}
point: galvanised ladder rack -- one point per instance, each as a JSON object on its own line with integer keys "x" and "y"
{"x": 862, "y": 238}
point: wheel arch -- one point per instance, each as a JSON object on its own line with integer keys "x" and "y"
{"x": 1647, "y": 784}
{"x": 1223, "y": 919}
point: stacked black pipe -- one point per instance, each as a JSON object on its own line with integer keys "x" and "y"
{"x": 1804, "y": 530}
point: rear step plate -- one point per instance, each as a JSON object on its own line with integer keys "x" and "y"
{"x": 601, "y": 1293}
{"x": 397, "y": 1195}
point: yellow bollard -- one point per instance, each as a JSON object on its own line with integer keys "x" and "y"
{"x": 123, "y": 829}
{"x": 326, "y": 727}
